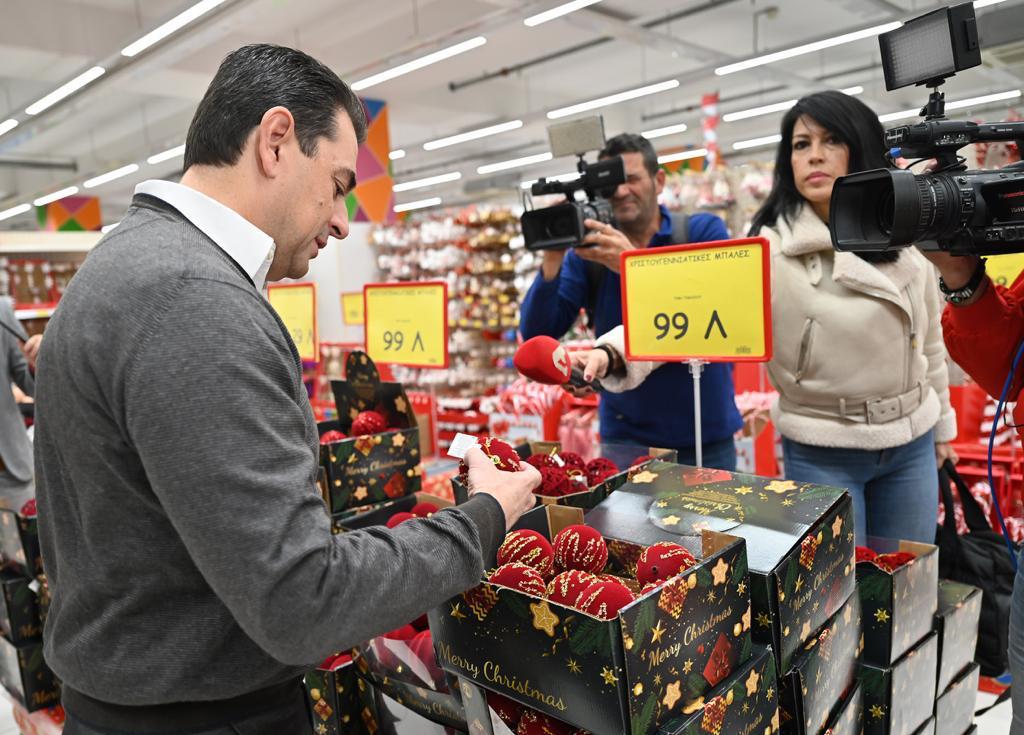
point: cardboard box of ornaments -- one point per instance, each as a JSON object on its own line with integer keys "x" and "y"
{"x": 375, "y": 457}
{"x": 338, "y": 705}
{"x": 954, "y": 708}
{"x": 849, "y": 717}
{"x": 568, "y": 480}
{"x": 901, "y": 698}
{"x": 613, "y": 669}
{"x": 800, "y": 542}
{"x": 956, "y": 623}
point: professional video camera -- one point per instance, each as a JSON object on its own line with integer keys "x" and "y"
{"x": 561, "y": 226}
{"x": 953, "y": 209}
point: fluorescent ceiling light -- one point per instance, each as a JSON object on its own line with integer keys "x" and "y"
{"x": 613, "y": 99}
{"x": 432, "y": 202}
{"x": 111, "y": 175}
{"x": 174, "y": 24}
{"x": 755, "y": 142}
{"x": 558, "y": 12}
{"x": 490, "y": 168}
{"x": 571, "y": 176}
{"x": 397, "y": 71}
{"x": 107, "y": 228}
{"x": 955, "y": 105}
{"x": 662, "y": 132}
{"x": 396, "y": 154}
{"x": 986, "y": 3}
{"x": 433, "y": 145}
{"x": 14, "y": 211}
{"x": 683, "y": 155}
{"x": 429, "y": 181}
{"x": 55, "y": 196}
{"x": 756, "y": 111}
{"x": 853, "y": 91}
{"x": 167, "y": 155}
{"x": 8, "y": 125}
{"x": 65, "y": 89}
{"x": 807, "y": 48}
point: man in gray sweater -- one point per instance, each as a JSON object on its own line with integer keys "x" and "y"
{"x": 192, "y": 566}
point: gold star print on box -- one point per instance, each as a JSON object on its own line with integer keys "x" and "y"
{"x": 837, "y": 526}
{"x": 744, "y": 490}
{"x": 543, "y": 617}
{"x": 882, "y": 615}
{"x": 752, "y": 681}
{"x": 661, "y": 504}
{"x": 657, "y": 632}
{"x": 805, "y": 632}
{"x": 687, "y": 666}
{"x": 609, "y": 676}
{"x": 719, "y": 572}
{"x": 644, "y": 477}
{"x": 360, "y": 493}
{"x": 671, "y": 520}
{"x": 399, "y": 439}
{"x": 673, "y": 694}
{"x": 400, "y": 404}
{"x": 573, "y": 666}
{"x": 457, "y": 611}
{"x": 763, "y": 620}
{"x": 877, "y": 712}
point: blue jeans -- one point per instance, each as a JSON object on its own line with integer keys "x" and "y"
{"x": 720, "y": 455}
{"x": 895, "y": 491}
{"x": 1017, "y": 649}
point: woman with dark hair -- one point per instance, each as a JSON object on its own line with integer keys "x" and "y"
{"x": 859, "y": 361}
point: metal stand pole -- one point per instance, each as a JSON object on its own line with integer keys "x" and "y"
{"x": 696, "y": 368}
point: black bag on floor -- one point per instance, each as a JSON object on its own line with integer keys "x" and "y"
{"x": 980, "y": 558}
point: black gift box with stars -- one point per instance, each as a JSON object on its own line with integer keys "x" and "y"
{"x": 956, "y": 622}
{"x": 338, "y": 705}
{"x": 899, "y": 699}
{"x": 746, "y": 704}
{"x": 25, "y": 675}
{"x": 848, "y": 720}
{"x": 928, "y": 728}
{"x": 19, "y": 612}
{"x": 898, "y": 606}
{"x": 954, "y": 709}
{"x": 365, "y": 470}
{"x": 661, "y": 654}
{"x": 822, "y": 672}
{"x": 800, "y": 542}
{"x": 19, "y": 543}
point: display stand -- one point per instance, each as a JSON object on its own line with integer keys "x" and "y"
{"x": 696, "y": 368}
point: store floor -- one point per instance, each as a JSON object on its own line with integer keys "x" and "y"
{"x": 996, "y": 722}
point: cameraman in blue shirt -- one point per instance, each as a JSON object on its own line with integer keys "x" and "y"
{"x": 659, "y": 413}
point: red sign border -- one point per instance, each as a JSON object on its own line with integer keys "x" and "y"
{"x": 407, "y": 284}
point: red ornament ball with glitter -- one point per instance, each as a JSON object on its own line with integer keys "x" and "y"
{"x": 572, "y": 461}
{"x": 331, "y": 436}
{"x": 502, "y": 453}
{"x": 662, "y": 561}
{"x": 368, "y": 422}
{"x": 507, "y": 709}
{"x": 399, "y": 518}
{"x": 641, "y": 460}
{"x": 866, "y": 554}
{"x": 554, "y": 482}
{"x": 600, "y": 469}
{"x": 541, "y": 460}
{"x": 519, "y": 577}
{"x": 536, "y": 723}
{"x": 423, "y": 510}
{"x": 529, "y": 548}
{"x": 892, "y": 562}
{"x": 604, "y": 599}
{"x": 567, "y": 586}
{"x": 650, "y": 587}
{"x": 28, "y": 510}
{"x": 580, "y": 547}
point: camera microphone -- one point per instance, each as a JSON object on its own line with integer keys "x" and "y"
{"x": 544, "y": 360}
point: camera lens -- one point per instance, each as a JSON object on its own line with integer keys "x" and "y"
{"x": 886, "y": 213}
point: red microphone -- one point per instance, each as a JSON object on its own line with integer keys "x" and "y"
{"x": 543, "y": 360}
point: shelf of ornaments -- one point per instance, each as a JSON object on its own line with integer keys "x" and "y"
{"x": 734, "y": 193}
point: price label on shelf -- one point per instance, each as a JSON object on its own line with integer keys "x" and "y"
{"x": 708, "y": 301}
{"x": 1004, "y": 269}
{"x": 407, "y": 323}
{"x": 295, "y": 303}
{"x": 352, "y": 309}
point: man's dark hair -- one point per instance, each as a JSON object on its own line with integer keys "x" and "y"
{"x": 632, "y": 143}
{"x": 254, "y": 79}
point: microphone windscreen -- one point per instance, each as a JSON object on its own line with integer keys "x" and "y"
{"x": 543, "y": 360}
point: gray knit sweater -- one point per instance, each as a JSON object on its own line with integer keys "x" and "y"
{"x": 189, "y": 553}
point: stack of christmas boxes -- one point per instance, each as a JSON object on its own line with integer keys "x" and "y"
{"x": 23, "y": 672}
{"x": 897, "y": 582}
{"x": 800, "y": 546}
{"x": 956, "y": 626}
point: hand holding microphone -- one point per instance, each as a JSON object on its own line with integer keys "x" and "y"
{"x": 543, "y": 360}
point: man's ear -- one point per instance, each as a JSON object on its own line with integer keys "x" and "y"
{"x": 275, "y": 131}
{"x": 659, "y": 181}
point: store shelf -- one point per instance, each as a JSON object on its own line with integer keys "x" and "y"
{"x": 26, "y": 243}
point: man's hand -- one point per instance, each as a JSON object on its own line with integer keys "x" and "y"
{"x": 944, "y": 451}
{"x": 31, "y": 349}
{"x": 608, "y": 244}
{"x": 512, "y": 490}
{"x": 551, "y": 264}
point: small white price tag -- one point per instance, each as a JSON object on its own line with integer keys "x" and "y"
{"x": 460, "y": 445}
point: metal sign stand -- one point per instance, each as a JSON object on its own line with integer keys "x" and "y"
{"x": 696, "y": 368}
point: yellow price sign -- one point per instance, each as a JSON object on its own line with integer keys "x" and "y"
{"x": 295, "y": 303}
{"x": 352, "y": 308}
{"x": 707, "y": 301}
{"x": 407, "y": 323}
{"x": 1004, "y": 269}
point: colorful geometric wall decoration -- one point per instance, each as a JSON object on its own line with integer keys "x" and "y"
{"x": 70, "y": 214}
{"x": 372, "y": 200}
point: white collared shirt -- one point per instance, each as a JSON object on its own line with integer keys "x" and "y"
{"x": 244, "y": 242}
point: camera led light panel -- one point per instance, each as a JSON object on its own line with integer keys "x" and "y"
{"x": 918, "y": 51}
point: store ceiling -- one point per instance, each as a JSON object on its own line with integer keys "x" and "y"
{"x": 143, "y": 105}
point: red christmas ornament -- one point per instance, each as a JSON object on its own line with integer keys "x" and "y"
{"x": 332, "y": 436}
{"x": 28, "y": 510}
{"x": 398, "y": 518}
{"x": 423, "y": 510}
{"x": 719, "y": 664}
{"x": 554, "y": 482}
{"x": 662, "y": 561}
{"x": 613, "y": 579}
{"x": 422, "y": 646}
{"x": 891, "y": 562}
{"x": 649, "y": 587}
{"x": 501, "y": 453}
{"x": 600, "y": 469}
{"x": 604, "y": 599}
{"x": 567, "y": 586}
{"x": 519, "y": 577}
{"x": 865, "y": 554}
{"x": 368, "y": 422}
{"x": 580, "y": 547}
{"x": 577, "y": 481}
{"x": 529, "y": 548}
{"x": 541, "y": 460}
{"x": 507, "y": 709}
{"x": 535, "y": 723}
{"x": 572, "y": 461}
{"x": 405, "y": 633}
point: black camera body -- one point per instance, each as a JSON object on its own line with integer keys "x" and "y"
{"x": 561, "y": 225}
{"x": 953, "y": 209}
